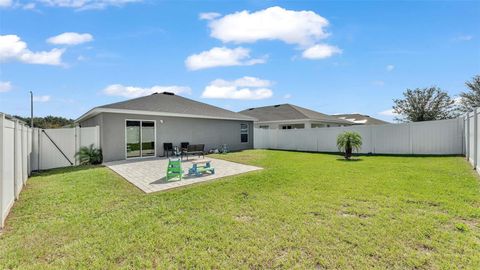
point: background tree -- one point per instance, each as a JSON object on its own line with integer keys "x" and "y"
{"x": 47, "y": 121}
{"x": 424, "y": 104}
{"x": 470, "y": 99}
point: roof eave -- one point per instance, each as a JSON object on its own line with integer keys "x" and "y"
{"x": 98, "y": 110}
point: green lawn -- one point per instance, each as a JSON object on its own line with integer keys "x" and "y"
{"x": 304, "y": 210}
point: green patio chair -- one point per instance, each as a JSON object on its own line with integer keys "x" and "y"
{"x": 174, "y": 169}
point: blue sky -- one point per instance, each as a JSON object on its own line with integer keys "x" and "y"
{"x": 330, "y": 56}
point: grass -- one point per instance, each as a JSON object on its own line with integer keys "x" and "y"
{"x": 304, "y": 210}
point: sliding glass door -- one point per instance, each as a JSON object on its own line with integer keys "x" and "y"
{"x": 140, "y": 138}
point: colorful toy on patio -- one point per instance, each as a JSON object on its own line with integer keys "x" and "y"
{"x": 174, "y": 169}
{"x": 200, "y": 167}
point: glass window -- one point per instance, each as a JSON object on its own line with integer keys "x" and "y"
{"x": 244, "y": 133}
{"x": 133, "y": 139}
{"x": 263, "y": 127}
{"x": 318, "y": 125}
{"x": 293, "y": 126}
{"x": 148, "y": 138}
{"x": 140, "y": 138}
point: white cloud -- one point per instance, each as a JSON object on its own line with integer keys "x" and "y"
{"x": 13, "y": 48}
{"x": 389, "y": 112}
{"x": 274, "y": 23}
{"x": 287, "y": 96}
{"x": 320, "y": 51}
{"x": 390, "y": 67}
{"x": 70, "y": 38}
{"x": 29, "y": 6}
{"x": 463, "y": 38}
{"x": 133, "y": 91}
{"x": 378, "y": 83}
{"x": 245, "y": 88}
{"x": 209, "y": 16}
{"x": 222, "y": 57}
{"x": 41, "y": 98}
{"x": 6, "y": 3}
{"x": 5, "y": 86}
{"x": 87, "y": 4}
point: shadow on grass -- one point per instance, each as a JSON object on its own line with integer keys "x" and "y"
{"x": 65, "y": 170}
{"x": 371, "y": 154}
{"x": 349, "y": 160}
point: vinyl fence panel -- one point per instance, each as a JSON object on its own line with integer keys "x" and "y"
{"x": 14, "y": 161}
{"x": 443, "y": 137}
{"x": 23, "y": 150}
{"x": 56, "y": 148}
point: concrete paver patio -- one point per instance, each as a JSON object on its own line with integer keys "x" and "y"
{"x": 149, "y": 174}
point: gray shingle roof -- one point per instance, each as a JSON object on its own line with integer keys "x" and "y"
{"x": 289, "y": 112}
{"x": 361, "y": 119}
{"x": 174, "y": 104}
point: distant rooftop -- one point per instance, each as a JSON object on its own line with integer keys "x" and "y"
{"x": 283, "y": 112}
{"x": 361, "y": 119}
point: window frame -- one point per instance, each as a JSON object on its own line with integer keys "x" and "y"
{"x": 155, "y": 137}
{"x": 245, "y": 131}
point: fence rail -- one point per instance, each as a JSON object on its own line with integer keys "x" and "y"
{"x": 444, "y": 137}
{"x": 23, "y": 150}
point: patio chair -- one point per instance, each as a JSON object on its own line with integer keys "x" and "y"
{"x": 184, "y": 145}
{"x": 174, "y": 169}
{"x": 167, "y": 147}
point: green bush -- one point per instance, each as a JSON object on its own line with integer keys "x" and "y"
{"x": 89, "y": 155}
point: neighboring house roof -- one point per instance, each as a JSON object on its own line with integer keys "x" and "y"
{"x": 166, "y": 104}
{"x": 361, "y": 119}
{"x": 289, "y": 112}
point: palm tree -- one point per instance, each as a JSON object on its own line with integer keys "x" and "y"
{"x": 347, "y": 141}
{"x": 89, "y": 155}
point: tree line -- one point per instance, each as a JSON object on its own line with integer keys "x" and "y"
{"x": 432, "y": 103}
{"x": 47, "y": 121}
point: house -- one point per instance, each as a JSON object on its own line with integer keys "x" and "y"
{"x": 361, "y": 119}
{"x": 288, "y": 116}
{"x": 139, "y": 127}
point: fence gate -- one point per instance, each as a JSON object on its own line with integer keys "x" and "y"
{"x": 54, "y": 148}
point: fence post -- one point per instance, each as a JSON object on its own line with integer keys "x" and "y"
{"x": 22, "y": 149}
{"x": 467, "y": 142}
{"x": 77, "y": 142}
{"x": 372, "y": 146}
{"x": 475, "y": 140}
{"x": 39, "y": 154}
{"x": 410, "y": 138}
{"x": 16, "y": 192}
{"x": 2, "y": 169}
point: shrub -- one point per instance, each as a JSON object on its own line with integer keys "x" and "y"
{"x": 89, "y": 155}
{"x": 348, "y": 141}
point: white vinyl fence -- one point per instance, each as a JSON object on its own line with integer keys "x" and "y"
{"x": 55, "y": 148}
{"x": 15, "y": 151}
{"x": 23, "y": 150}
{"x": 472, "y": 145}
{"x": 444, "y": 137}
